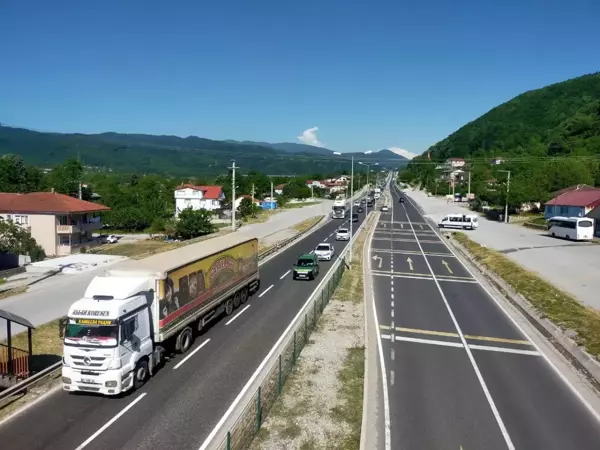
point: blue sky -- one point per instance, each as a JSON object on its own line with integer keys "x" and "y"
{"x": 369, "y": 74}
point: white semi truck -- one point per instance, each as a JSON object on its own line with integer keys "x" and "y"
{"x": 340, "y": 208}
{"x": 119, "y": 333}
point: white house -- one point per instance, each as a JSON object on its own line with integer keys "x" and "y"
{"x": 198, "y": 197}
{"x": 279, "y": 189}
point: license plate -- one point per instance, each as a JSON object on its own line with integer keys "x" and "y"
{"x": 88, "y": 381}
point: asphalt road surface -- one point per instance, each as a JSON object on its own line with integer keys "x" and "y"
{"x": 460, "y": 374}
{"x": 180, "y": 405}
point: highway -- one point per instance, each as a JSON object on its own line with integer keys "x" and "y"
{"x": 181, "y": 404}
{"x": 460, "y": 374}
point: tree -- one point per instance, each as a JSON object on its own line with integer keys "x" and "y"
{"x": 247, "y": 208}
{"x": 16, "y": 240}
{"x": 65, "y": 178}
{"x": 13, "y": 174}
{"x": 193, "y": 223}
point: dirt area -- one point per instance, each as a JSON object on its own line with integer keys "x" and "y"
{"x": 272, "y": 240}
{"x": 12, "y": 291}
{"x": 321, "y": 403}
{"x": 147, "y": 247}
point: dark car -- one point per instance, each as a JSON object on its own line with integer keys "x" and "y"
{"x": 401, "y": 199}
{"x": 354, "y": 217}
{"x": 360, "y": 209}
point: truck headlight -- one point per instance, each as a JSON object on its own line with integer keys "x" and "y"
{"x": 110, "y": 384}
{"x": 66, "y": 380}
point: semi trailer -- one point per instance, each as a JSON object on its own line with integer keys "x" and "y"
{"x": 130, "y": 319}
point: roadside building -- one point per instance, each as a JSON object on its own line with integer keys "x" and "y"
{"x": 60, "y": 224}
{"x": 574, "y": 203}
{"x": 210, "y": 198}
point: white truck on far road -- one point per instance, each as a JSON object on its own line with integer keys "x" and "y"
{"x": 118, "y": 334}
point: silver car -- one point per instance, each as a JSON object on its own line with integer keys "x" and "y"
{"x": 342, "y": 234}
{"x": 324, "y": 252}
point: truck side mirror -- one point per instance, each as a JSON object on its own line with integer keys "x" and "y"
{"x": 62, "y": 324}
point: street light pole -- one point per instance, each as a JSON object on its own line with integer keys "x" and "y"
{"x": 232, "y": 195}
{"x": 351, "y": 209}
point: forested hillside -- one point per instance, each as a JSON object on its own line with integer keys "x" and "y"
{"x": 549, "y": 139}
{"x": 172, "y": 155}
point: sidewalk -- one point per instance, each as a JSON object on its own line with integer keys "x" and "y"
{"x": 51, "y": 298}
{"x": 570, "y": 266}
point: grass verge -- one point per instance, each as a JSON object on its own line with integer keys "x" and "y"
{"x": 14, "y": 291}
{"x": 307, "y": 223}
{"x": 47, "y": 350}
{"x": 556, "y": 305}
{"x": 147, "y": 247}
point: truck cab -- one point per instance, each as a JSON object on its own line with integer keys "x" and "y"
{"x": 108, "y": 340}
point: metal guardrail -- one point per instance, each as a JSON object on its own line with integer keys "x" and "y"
{"x": 240, "y": 428}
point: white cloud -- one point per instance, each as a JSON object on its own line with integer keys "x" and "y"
{"x": 309, "y": 137}
{"x": 402, "y": 152}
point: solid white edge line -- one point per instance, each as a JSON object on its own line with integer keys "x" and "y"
{"x": 490, "y": 348}
{"x": 196, "y": 350}
{"x": 262, "y": 365}
{"x": 516, "y": 324}
{"x": 482, "y": 382}
{"x": 237, "y": 315}
{"x": 285, "y": 275}
{"x": 265, "y": 291}
{"x": 110, "y": 422}
{"x": 384, "y": 382}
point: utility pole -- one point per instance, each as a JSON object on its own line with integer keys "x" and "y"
{"x": 507, "y": 192}
{"x": 272, "y": 198}
{"x": 351, "y": 210}
{"x": 252, "y": 194}
{"x": 233, "y": 195}
{"x": 469, "y": 193}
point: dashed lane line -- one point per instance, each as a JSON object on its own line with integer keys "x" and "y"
{"x": 285, "y": 275}
{"x": 266, "y": 290}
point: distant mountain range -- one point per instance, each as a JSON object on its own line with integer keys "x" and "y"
{"x": 190, "y": 156}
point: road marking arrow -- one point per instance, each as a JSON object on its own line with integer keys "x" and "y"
{"x": 447, "y": 266}
{"x": 375, "y": 258}
{"x": 410, "y": 263}
{"x": 401, "y": 225}
{"x": 421, "y": 226}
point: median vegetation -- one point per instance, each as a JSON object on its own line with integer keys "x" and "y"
{"x": 581, "y": 322}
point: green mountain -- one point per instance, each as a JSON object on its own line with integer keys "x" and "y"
{"x": 190, "y": 156}
{"x": 291, "y": 147}
{"x": 562, "y": 119}
{"x": 548, "y": 138}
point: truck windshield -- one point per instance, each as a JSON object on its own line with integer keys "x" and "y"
{"x": 103, "y": 335}
{"x": 305, "y": 263}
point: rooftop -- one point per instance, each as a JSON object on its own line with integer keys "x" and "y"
{"x": 584, "y": 197}
{"x": 46, "y": 202}
{"x": 209, "y": 192}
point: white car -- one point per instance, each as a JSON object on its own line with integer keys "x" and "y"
{"x": 342, "y": 234}
{"x": 357, "y": 203}
{"x": 384, "y": 209}
{"x": 324, "y": 251}
{"x": 111, "y": 239}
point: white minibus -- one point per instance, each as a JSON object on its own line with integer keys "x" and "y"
{"x": 575, "y": 228}
{"x": 462, "y": 221}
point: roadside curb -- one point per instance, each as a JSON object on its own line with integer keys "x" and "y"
{"x": 581, "y": 360}
{"x": 369, "y": 440}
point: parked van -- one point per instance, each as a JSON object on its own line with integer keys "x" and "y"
{"x": 462, "y": 221}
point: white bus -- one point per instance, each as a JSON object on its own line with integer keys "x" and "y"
{"x": 576, "y": 228}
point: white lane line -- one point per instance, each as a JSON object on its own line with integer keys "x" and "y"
{"x": 504, "y": 350}
{"x": 392, "y": 377}
{"x": 285, "y": 274}
{"x": 429, "y": 341}
{"x": 237, "y": 315}
{"x": 196, "y": 350}
{"x": 392, "y": 303}
{"x": 266, "y": 290}
{"x": 482, "y": 382}
{"x": 393, "y": 353}
{"x": 111, "y": 421}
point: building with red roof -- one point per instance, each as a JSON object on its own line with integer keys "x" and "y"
{"x": 59, "y": 223}
{"x": 188, "y": 195}
{"x": 577, "y": 202}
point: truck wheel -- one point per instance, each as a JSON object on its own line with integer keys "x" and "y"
{"x": 236, "y": 300}
{"x": 229, "y": 306}
{"x": 185, "y": 340}
{"x": 244, "y": 295}
{"x": 140, "y": 374}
